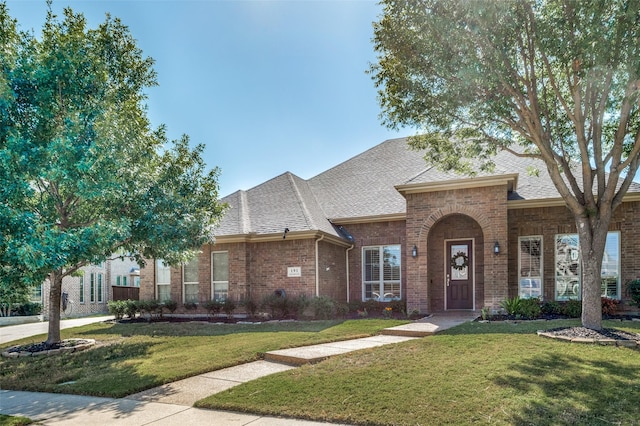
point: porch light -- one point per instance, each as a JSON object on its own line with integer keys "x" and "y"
{"x": 414, "y": 252}
{"x": 496, "y": 248}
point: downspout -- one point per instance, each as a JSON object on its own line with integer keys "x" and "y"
{"x": 347, "y": 256}
{"x": 317, "y": 267}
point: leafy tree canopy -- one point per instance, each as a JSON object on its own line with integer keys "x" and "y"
{"x": 83, "y": 173}
{"x": 557, "y": 80}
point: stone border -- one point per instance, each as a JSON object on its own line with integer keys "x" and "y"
{"x": 86, "y": 344}
{"x": 611, "y": 342}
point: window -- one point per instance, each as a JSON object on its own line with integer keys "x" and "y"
{"x": 190, "y": 281}
{"x": 100, "y": 289}
{"x": 220, "y": 275}
{"x": 118, "y": 281}
{"x": 568, "y": 272}
{"x": 530, "y": 266}
{"x": 136, "y": 281}
{"x": 163, "y": 280}
{"x": 92, "y": 287}
{"x": 381, "y": 272}
{"x": 124, "y": 280}
{"x": 81, "y": 296}
{"x": 36, "y": 293}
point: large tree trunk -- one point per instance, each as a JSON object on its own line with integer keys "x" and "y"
{"x": 55, "y": 292}
{"x": 593, "y": 237}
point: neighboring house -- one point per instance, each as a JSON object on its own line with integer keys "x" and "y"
{"x": 384, "y": 226}
{"x": 94, "y": 287}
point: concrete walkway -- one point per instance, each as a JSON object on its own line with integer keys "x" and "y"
{"x": 10, "y": 333}
{"x": 172, "y": 403}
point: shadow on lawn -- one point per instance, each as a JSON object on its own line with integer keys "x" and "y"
{"x": 574, "y": 391}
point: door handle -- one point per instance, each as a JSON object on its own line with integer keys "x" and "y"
{"x": 448, "y": 280}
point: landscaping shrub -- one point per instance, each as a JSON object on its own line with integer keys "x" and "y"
{"x": 323, "y": 307}
{"x": 27, "y": 309}
{"x": 228, "y": 306}
{"x": 551, "y": 307}
{"x": 398, "y": 306}
{"x": 170, "y": 305}
{"x": 530, "y": 308}
{"x": 132, "y": 307}
{"x": 117, "y": 308}
{"x": 342, "y": 309}
{"x": 251, "y": 307}
{"x": 511, "y": 306}
{"x": 298, "y": 304}
{"x": 372, "y": 306}
{"x": 633, "y": 287}
{"x": 190, "y": 306}
{"x": 213, "y": 307}
{"x": 609, "y": 306}
{"x": 572, "y": 308}
{"x": 278, "y": 306}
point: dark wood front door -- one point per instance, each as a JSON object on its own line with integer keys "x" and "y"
{"x": 459, "y": 274}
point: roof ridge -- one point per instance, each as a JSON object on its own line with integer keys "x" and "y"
{"x": 299, "y": 197}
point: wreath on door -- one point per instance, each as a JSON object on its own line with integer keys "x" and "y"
{"x": 459, "y": 261}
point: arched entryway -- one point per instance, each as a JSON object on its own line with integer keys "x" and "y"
{"x": 455, "y": 264}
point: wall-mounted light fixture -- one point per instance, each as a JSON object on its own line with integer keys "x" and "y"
{"x": 496, "y": 248}
{"x": 414, "y": 251}
{"x": 284, "y": 235}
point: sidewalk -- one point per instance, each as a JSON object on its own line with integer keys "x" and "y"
{"x": 172, "y": 403}
{"x": 10, "y": 333}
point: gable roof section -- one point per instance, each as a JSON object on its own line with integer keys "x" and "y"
{"x": 282, "y": 202}
{"x": 369, "y": 187}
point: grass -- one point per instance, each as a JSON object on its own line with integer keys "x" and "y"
{"x": 133, "y": 357}
{"x": 472, "y": 374}
{"x": 14, "y": 420}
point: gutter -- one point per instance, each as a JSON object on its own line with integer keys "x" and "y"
{"x": 347, "y": 259}
{"x": 317, "y": 267}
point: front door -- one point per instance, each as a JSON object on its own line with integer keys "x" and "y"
{"x": 459, "y": 274}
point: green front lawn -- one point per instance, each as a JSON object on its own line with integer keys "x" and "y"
{"x": 134, "y": 357}
{"x": 472, "y": 374}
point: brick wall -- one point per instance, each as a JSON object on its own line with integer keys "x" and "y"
{"x": 332, "y": 271}
{"x": 550, "y": 221}
{"x": 487, "y": 207}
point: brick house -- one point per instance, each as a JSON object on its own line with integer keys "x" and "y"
{"x": 383, "y": 225}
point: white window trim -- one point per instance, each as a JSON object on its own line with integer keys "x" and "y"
{"x": 158, "y": 262}
{"x": 185, "y": 283}
{"x": 541, "y": 276}
{"x": 213, "y": 283}
{"x": 81, "y": 284}
{"x": 381, "y": 281}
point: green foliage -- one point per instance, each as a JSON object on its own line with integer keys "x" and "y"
{"x": 551, "y": 307}
{"x": 530, "y": 308}
{"x": 511, "y": 306}
{"x": 190, "y": 306}
{"x": 633, "y": 287}
{"x": 277, "y": 305}
{"x": 251, "y": 307}
{"x": 117, "y": 308}
{"x": 170, "y": 305}
{"x": 323, "y": 307}
{"x": 213, "y": 307}
{"x": 572, "y": 308}
{"x": 399, "y": 306}
{"x": 132, "y": 307}
{"x": 228, "y": 306}
{"x": 83, "y": 172}
{"x": 298, "y": 305}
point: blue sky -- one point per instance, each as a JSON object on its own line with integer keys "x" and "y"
{"x": 267, "y": 86}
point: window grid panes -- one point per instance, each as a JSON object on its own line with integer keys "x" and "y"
{"x": 220, "y": 275}
{"x": 163, "y": 280}
{"x": 530, "y": 266}
{"x": 381, "y": 272}
{"x": 92, "y": 287}
{"x": 100, "y": 289}
{"x": 81, "y": 294}
{"x": 190, "y": 281}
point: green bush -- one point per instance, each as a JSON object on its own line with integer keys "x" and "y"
{"x": 150, "y": 307}
{"x": 342, "y": 309}
{"x": 27, "y": 309}
{"x": 572, "y": 308}
{"x": 251, "y": 307}
{"x": 190, "y": 306}
{"x": 372, "y": 306}
{"x": 323, "y": 307}
{"x": 551, "y": 307}
{"x": 213, "y": 307}
{"x": 298, "y": 305}
{"x": 511, "y": 306}
{"x": 277, "y": 305}
{"x": 530, "y": 308}
{"x": 398, "y": 305}
{"x": 170, "y": 305}
{"x": 633, "y": 287}
{"x": 132, "y": 307}
{"x": 228, "y": 306}
{"x": 117, "y": 308}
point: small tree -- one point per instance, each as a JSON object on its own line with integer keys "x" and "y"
{"x": 554, "y": 80}
{"x": 84, "y": 174}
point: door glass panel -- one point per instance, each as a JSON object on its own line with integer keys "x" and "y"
{"x": 459, "y": 256}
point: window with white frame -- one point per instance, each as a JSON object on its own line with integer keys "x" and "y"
{"x": 568, "y": 271}
{"x": 219, "y": 275}
{"x": 163, "y": 281}
{"x": 530, "y": 266}
{"x": 100, "y": 290}
{"x": 81, "y": 294}
{"x": 190, "y": 281}
{"x": 381, "y": 267}
{"x": 36, "y": 294}
{"x": 92, "y": 287}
